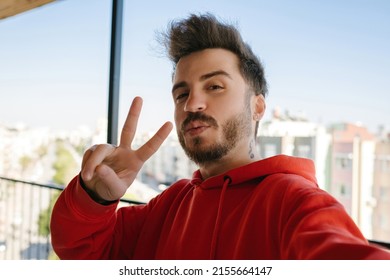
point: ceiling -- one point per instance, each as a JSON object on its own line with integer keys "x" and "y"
{"x": 10, "y": 8}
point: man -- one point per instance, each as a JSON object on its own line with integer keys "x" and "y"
{"x": 236, "y": 206}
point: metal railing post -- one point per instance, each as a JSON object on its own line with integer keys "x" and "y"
{"x": 115, "y": 69}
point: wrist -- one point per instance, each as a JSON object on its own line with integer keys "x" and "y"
{"x": 95, "y": 197}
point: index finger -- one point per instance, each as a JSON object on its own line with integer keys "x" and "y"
{"x": 130, "y": 125}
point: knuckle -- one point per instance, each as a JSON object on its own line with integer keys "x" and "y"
{"x": 102, "y": 147}
{"x": 93, "y": 148}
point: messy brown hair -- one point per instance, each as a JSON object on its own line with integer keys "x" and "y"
{"x": 199, "y": 32}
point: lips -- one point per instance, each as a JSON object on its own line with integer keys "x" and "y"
{"x": 196, "y": 127}
{"x": 197, "y": 122}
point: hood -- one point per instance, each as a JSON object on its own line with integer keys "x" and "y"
{"x": 272, "y": 165}
{"x": 253, "y": 171}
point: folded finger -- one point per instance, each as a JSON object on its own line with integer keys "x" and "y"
{"x": 93, "y": 158}
{"x": 86, "y": 155}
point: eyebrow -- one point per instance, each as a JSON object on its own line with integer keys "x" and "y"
{"x": 178, "y": 85}
{"x": 214, "y": 73}
{"x": 202, "y": 78}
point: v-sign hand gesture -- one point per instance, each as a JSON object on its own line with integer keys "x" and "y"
{"x": 108, "y": 171}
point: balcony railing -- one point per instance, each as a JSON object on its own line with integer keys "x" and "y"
{"x": 25, "y": 210}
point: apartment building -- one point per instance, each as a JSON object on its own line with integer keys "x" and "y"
{"x": 296, "y": 136}
{"x": 381, "y": 189}
{"x": 352, "y": 169}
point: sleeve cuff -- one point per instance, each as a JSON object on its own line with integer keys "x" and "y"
{"x": 81, "y": 202}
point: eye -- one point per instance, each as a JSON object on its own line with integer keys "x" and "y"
{"x": 181, "y": 97}
{"x": 215, "y": 87}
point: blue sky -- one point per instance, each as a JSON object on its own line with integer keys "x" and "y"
{"x": 329, "y": 59}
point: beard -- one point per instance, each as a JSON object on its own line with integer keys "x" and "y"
{"x": 233, "y": 130}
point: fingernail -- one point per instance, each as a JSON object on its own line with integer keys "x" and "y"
{"x": 86, "y": 176}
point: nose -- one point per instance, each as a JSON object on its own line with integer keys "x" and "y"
{"x": 195, "y": 102}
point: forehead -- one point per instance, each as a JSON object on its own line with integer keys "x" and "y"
{"x": 202, "y": 62}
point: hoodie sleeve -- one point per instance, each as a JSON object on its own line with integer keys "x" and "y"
{"x": 316, "y": 226}
{"x": 84, "y": 229}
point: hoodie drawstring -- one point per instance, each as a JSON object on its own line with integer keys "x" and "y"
{"x": 226, "y": 182}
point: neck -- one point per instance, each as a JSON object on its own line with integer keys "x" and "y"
{"x": 234, "y": 159}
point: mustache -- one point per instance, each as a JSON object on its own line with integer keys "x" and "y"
{"x": 198, "y": 116}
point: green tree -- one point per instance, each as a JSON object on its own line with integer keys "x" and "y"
{"x": 41, "y": 151}
{"x": 25, "y": 162}
{"x": 64, "y": 166}
{"x": 45, "y": 216}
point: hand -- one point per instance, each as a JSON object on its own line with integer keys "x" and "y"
{"x": 108, "y": 171}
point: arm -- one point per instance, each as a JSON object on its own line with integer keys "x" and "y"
{"x": 318, "y": 227}
{"x": 84, "y": 217}
{"x": 76, "y": 220}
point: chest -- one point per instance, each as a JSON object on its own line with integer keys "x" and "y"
{"x": 201, "y": 222}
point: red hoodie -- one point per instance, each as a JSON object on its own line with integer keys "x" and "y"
{"x": 270, "y": 209}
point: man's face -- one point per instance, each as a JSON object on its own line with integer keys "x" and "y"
{"x": 212, "y": 105}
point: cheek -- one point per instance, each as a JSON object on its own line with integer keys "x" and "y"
{"x": 228, "y": 110}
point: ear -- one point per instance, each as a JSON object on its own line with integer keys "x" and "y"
{"x": 259, "y": 107}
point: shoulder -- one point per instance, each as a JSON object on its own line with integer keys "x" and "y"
{"x": 285, "y": 182}
{"x": 177, "y": 189}
{"x": 294, "y": 191}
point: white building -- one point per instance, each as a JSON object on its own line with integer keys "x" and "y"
{"x": 295, "y": 136}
